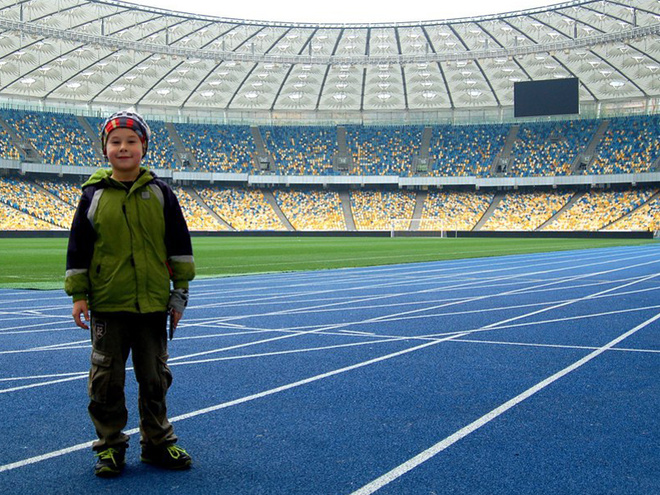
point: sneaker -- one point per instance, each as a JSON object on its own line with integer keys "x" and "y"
{"x": 168, "y": 457}
{"x": 110, "y": 462}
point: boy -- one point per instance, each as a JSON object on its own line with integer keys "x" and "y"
{"x": 128, "y": 240}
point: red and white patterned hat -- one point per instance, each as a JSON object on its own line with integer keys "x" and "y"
{"x": 129, "y": 120}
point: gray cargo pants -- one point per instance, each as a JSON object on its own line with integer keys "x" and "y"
{"x": 114, "y": 336}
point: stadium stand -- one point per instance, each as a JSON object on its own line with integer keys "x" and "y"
{"x": 13, "y": 219}
{"x": 644, "y": 218}
{"x": 526, "y": 210}
{"x": 58, "y": 138}
{"x": 66, "y": 191}
{"x": 375, "y": 210}
{"x": 218, "y": 148}
{"x": 549, "y": 148}
{"x": 383, "y": 150}
{"x": 301, "y": 150}
{"x": 457, "y": 210}
{"x": 162, "y": 153}
{"x": 28, "y": 198}
{"x": 50, "y": 204}
{"x": 243, "y": 209}
{"x": 466, "y": 150}
{"x": 311, "y": 210}
{"x": 197, "y": 217}
{"x": 595, "y": 210}
{"x": 630, "y": 145}
{"x": 7, "y": 148}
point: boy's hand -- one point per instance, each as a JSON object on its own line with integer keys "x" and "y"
{"x": 80, "y": 308}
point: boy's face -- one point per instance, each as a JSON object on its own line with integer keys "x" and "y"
{"x": 124, "y": 150}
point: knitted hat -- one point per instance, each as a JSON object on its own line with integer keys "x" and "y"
{"x": 128, "y": 120}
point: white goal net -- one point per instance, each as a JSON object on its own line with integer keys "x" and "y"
{"x": 418, "y": 227}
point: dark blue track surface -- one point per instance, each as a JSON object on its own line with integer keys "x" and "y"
{"x": 520, "y": 374}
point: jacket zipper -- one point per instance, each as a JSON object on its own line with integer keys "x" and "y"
{"x": 130, "y": 232}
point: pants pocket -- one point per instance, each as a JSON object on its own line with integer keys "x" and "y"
{"x": 99, "y": 377}
{"x": 165, "y": 372}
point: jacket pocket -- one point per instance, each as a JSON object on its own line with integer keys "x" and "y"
{"x": 100, "y": 376}
{"x": 99, "y": 277}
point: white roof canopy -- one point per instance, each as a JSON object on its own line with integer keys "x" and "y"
{"x": 116, "y": 53}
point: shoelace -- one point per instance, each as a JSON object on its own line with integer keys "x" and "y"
{"x": 176, "y": 452}
{"x": 108, "y": 454}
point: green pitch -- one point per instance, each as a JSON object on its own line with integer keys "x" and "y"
{"x": 40, "y": 263}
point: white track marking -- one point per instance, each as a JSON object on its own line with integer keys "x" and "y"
{"x": 43, "y": 384}
{"x": 523, "y": 290}
{"x": 52, "y": 375}
{"x": 567, "y": 303}
{"x": 224, "y": 405}
{"x": 498, "y": 309}
{"x": 192, "y": 323}
{"x": 463, "y": 284}
{"x": 555, "y": 346}
{"x": 289, "y": 386}
{"x": 321, "y": 330}
{"x": 378, "y": 483}
{"x": 462, "y": 301}
{"x": 82, "y": 344}
{"x": 478, "y": 283}
{"x": 455, "y": 284}
{"x": 491, "y": 326}
{"x": 31, "y": 325}
{"x": 424, "y": 456}
{"x": 45, "y": 457}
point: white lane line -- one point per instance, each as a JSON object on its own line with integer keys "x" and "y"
{"x": 43, "y": 384}
{"x": 8, "y": 330}
{"x": 568, "y": 303}
{"x": 523, "y": 290}
{"x": 66, "y": 346}
{"x": 45, "y": 457}
{"x": 481, "y": 271}
{"x": 444, "y": 305}
{"x": 241, "y": 400}
{"x": 383, "y": 480}
{"x": 26, "y": 351}
{"x": 52, "y": 375}
{"x": 498, "y": 309}
{"x": 382, "y": 338}
{"x": 429, "y": 453}
{"x": 555, "y": 346}
{"x": 497, "y": 325}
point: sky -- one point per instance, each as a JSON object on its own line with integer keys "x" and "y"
{"x": 346, "y": 11}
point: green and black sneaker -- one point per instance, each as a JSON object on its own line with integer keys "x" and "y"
{"x": 110, "y": 462}
{"x": 167, "y": 457}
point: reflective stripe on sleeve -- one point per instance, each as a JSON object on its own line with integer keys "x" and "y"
{"x": 75, "y": 271}
{"x": 187, "y": 258}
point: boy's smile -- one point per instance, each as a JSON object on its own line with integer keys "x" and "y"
{"x": 124, "y": 151}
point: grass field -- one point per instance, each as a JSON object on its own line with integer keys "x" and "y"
{"x": 40, "y": 263}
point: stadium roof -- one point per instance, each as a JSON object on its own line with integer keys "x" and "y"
{"x": 111, "y": 53}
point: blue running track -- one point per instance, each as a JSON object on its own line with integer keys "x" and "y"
{"x": 534, "y": 374}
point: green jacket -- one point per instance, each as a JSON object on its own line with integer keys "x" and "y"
{"x": 126, "y": 245}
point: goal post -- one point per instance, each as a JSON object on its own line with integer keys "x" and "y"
{"x": 417, "y": 227}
